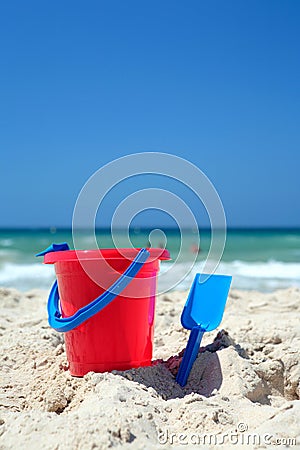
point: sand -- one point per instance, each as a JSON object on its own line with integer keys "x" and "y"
{"x": 244, "y": 386}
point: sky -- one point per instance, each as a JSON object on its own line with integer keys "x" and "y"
{"x": 214, "y": 82}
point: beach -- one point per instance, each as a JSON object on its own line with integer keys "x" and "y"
{"x": 243, "y": 390}
{"x": 150, "y": 157}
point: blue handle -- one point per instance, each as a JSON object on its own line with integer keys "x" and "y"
{"x": 69, "y": 323}
{"x": 54, "y": 248}
{"x": 189, "y": 356}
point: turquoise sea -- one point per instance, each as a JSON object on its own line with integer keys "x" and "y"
{"x": 261, "y": 259}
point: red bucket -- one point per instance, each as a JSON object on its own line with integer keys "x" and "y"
{"x": 120, "y": 336}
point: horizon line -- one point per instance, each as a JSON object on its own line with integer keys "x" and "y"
{"x": 146, "y": 228}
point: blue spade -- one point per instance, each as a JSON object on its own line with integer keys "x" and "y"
{"x": 202, "y": 312}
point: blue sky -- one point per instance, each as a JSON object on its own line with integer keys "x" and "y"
{"x": 215, "y": 82}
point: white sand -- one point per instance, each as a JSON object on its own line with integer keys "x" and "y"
{"x": 248, "y": 381}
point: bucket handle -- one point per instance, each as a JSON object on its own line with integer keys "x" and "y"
{"x": 63, "y": 324}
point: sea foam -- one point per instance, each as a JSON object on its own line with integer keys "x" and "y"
{"x": 263, "y": 276}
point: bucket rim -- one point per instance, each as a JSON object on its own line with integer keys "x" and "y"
{"x": 104, "y": 254}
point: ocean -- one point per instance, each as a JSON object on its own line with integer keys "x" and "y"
{"x": 258, "y": 259}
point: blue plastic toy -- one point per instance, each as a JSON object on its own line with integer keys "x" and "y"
{"x": 202, "y": 312}
{"x": 54, "y": 248}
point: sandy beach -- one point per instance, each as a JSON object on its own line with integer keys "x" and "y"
{"x": 244, "y": 386}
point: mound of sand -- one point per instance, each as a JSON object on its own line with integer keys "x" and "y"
{"x": 244, "y": 384}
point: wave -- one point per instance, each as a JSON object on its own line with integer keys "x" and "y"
{"x": 263, "y": 276}
{"x": 26, "y": 276}
{"x": 269, "y": 269}
{"x": 6, "y": 242}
